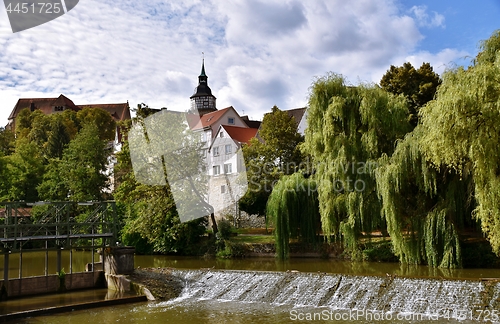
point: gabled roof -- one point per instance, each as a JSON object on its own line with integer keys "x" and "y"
{"x": 43, "y": 104}
{"x": 209, "y": 119}
{"x": 251, "y": 123}
{"x": 240, "y": 134}
{"x": 297, "y": 113}
{"x": 119, "y": 111}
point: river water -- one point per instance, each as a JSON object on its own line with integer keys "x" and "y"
{"x": 189, "y": 309}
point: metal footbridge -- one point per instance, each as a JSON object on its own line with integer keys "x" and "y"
{"x": 58, "y": 225}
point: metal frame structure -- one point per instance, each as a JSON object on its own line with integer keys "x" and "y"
{"x": 57, "y": 226}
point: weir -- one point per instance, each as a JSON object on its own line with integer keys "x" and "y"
{"x": 388, "y": 294}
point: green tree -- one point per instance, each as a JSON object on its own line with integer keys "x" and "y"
{"x": 150, "y": 218}
{"x": 58, "y": 137}
{"x": 53, "y": 186}
{"x": 461, "y": 131}
{"x": 294, "y": 212}
{"x": 99, "y": 117}
{"x": 25, "y": 171}
{"x": 5, "y": 178}
{"x": 425, "y": 208}
{"x": 39, "y": 128}
{"x": 349, "y": 129}
{"x": 417, "y": 85}
{"x": 24, "y": 121}
{"x": 275, "y": 154}
{"x": 84, "y": 163}
{"x": 7, "y": 141}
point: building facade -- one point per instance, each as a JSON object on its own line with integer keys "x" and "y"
{"x": 222, "y": 132}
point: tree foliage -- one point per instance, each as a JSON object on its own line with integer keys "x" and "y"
{"x": 293, "y": 210}
{"x": 417, "y": 85}
{"x": 24, "y": 171}
{"x": 99, "y": 117}
{"x": 349, "y": 129}
{"x": 275, "y": 154}
{"x": 7, "y": 141}
{"x": 53, "y": 156}
{"x": 461, "y": 131}
{"x": 425, "y": 208}
{"x": 151, "y": 221}
{"x": 83, "y": 165}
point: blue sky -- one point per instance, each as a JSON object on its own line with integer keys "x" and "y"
{"x": 257, "y": 53}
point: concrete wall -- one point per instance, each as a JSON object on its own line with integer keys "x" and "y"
{"x": 50, "y": 284}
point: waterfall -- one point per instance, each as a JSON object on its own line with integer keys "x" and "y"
{"x": 386, "y": 294}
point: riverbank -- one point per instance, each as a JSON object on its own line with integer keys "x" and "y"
{"x": 161, "y": 282}
{"x": 374, "y": 247}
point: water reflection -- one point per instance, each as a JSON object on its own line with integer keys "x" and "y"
{"x": 313, "y": 265}
{"x": 207, "y": 311}
{"x": 34, "y": 265}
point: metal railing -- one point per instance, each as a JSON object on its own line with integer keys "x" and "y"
{"x": 64, "y": 224}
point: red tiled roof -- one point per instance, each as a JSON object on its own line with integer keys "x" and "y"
{"x": 210, "y": 118}
{"x": 192, "y": 120}
{"x": 43, "y": 104}
{"x": 240, "y": 134}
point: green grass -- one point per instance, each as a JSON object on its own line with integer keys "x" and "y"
{"x": 253, "y": 231}
{"x": 261, "y": 239}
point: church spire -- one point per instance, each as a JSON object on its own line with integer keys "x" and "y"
{"x": 203, "y": 68}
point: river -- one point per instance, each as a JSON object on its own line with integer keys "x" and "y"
{"x": 201, "y": 310}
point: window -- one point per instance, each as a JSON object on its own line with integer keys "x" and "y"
{"x": 221, "y": 134}
{"x": 216, "y": 170}
{"x": 222, "y": 189}
{"x": 230, "y": 121}
{"x": 58, "y": 108}
{"x": 228, "y": 148}
{"x": 202, "y": 137}
{"x": 215, "y": 149}
{"x": 228, "y": 168}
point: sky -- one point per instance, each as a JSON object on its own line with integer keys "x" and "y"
{"x": 257, "y": 53}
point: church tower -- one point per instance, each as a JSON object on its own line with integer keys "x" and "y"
{"x": 202, "y": 99}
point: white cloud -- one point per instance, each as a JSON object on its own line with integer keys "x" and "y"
{"x": 426, "y": 20}
{"x": 257, "y": 53}
{"x": 441, "y": 61}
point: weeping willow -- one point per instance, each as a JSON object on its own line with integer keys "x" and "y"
{"x": 293, "y": 209}
{"x": 424, "y": 208}
{"x": 349, "y": 129}
{"x": 461, "y": 130}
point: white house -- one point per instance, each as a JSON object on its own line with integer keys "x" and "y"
{"x": 223, "y": 132}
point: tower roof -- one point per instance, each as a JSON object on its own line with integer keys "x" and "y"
{"x": 203, "y": 69}
{"x": 202, "y": 89}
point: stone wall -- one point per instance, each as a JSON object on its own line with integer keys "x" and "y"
{"x": 250, "y": 221}
{"x": 50, "y": 284}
